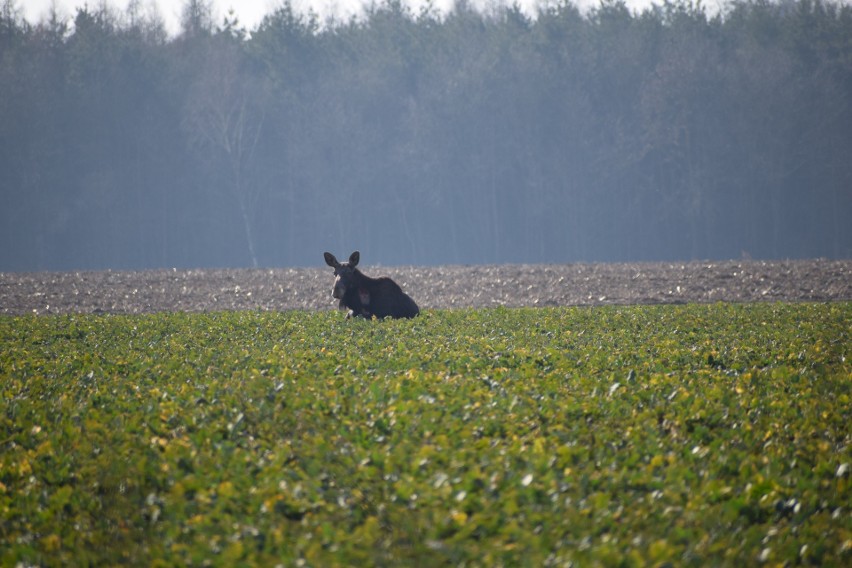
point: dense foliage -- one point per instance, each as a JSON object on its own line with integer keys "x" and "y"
{"x": 618, "y": 436}
{"x": 427, "y": 137}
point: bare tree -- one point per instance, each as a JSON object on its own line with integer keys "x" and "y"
{"x": 224, "y": 121}
{"x": 197, "y": 18}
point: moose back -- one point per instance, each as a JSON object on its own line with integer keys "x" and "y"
{"x": 367, "y": 297}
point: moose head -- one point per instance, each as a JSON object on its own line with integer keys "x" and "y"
{"x": 344, "y": 273}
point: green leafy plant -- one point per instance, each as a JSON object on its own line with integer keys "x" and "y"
{"x": 601, "y": 436}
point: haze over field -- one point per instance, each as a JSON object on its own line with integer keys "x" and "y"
{"x": 463, "y": 136}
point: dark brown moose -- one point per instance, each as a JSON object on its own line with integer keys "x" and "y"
{"x": 367, "y": 297}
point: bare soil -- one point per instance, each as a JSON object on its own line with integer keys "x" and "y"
{"x": 432, "y": 287}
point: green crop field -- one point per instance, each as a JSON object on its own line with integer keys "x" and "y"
{"x": 614, "y": 436}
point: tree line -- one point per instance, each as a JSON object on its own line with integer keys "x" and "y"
{"x": 426, "y": 137}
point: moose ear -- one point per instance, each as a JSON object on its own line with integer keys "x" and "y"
{"x": 354, "y": 258}
{"x": 330, "y": 260}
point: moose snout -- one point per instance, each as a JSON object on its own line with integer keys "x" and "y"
{"x": 338, "y": 290}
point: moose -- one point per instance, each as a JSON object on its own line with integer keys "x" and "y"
{"x": 367, "y": 297}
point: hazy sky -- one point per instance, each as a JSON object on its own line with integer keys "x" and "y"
{"x": 249, "y": 12}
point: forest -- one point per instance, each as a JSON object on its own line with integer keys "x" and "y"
{"x": 462, "y": 136}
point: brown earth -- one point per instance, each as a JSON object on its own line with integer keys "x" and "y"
{"x": 432, "y": 287}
